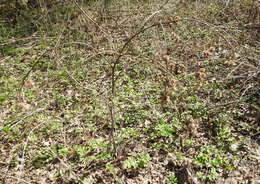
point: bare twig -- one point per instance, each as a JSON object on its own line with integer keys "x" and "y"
{"x": 211, "y": 25}
{"x": 85, "y": 13}
{"x": 228, "y": 103}
{"x": 36, "y": 62}
{"x": 15, "y": 123}
{"x": 117, "y": 61}
{"x": 22, "y": 159}
{"x": 21, "y": 180}
{"x": 63, "y": 163}
{"x": 18, "y": 39}
{"x": 235, "y": 69}
{"x": 4, "y": 59}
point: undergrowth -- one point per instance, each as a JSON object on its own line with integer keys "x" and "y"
{"x": 133, "y": 92}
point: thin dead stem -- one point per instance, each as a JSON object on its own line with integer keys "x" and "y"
{"x": 114, "y": 77}
{"x": 88, "y": 17}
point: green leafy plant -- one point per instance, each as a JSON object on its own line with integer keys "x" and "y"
{"x": 211, "y": 175}
{"x": 82, "y": 151}
{"x": 164, "y": 129}
{"x": 211, "y": 158}
{"x": 93, "y": 145}
{"x": 130, "y": 163}
{"x": 188, "y": 142}
{"x": 143, "y": 159}
{"x": 42, "y": 158}
{"x": 139, "y": 161}
{"x": 111, "y": 169}
{"x": 126, "y": 133}
{"x": 97, "y": 143}
{"x": 171, "y": 179}
{"x": 179, "y": 155}
{"x": 63, "y": 151}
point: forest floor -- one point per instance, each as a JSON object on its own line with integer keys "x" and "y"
{"x": 138, "y": 93}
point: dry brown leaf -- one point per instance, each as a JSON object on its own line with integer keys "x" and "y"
{"x": 197, "y": 86}
{"x": 166, "y": 58}
{"x": 29, "y": 84}
{"x": 25, "y": 106}
{"x": 206, "y": 53}
{"x": 230, "y": 63}
{"x": 193, "y": 126}
{"x": 200, "y": 75}
{"x": 175, "y": 38}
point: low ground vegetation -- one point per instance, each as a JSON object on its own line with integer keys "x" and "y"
{"x": 130, "y": 92}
